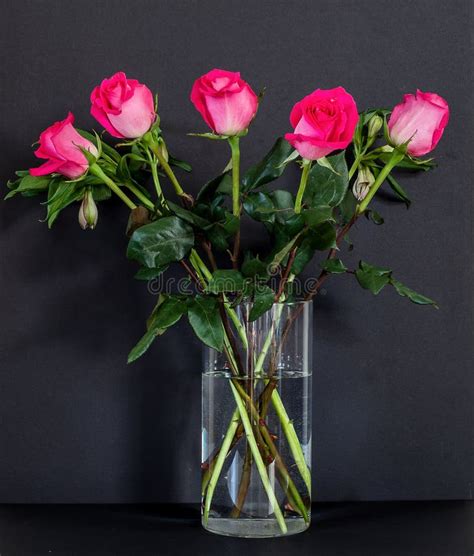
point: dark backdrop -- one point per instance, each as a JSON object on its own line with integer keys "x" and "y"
{"x": 393, "y": 390}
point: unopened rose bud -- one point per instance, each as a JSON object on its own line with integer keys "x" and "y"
{"x": 88, "y": 213}
{"x": 362, "y": 185}
{"x": 375, "y": 125}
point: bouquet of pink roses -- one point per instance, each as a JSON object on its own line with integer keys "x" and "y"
{"x": 345, "y": 156}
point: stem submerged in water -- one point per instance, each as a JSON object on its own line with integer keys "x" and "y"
{"x": 258, "y": 460}
{"x": 214, "y": 477}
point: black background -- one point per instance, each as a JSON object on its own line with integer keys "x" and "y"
{"x": 393, "y": 381}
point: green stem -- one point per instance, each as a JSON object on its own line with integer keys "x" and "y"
{"x": 234, "y": 143}
{"x": 234, "y": 423}
{"x": 354, "y": 166}
{"x": 302, "y": 186}
{"x": 97, "y": 171}
{"x": 286, "y": 423}
{"x": 258, "y": 460}
{"x": 156, "y": 179}
{"x": 140, "y": 196}
{"x": 292, "y": 438}
{"x": 396, "y": 157}
{"x": 168, "y": 170}
{"x": 268, "y": 340}
{"x": 261, "y": 428}
{"x": 244, "y": 484}
{"x": 238, "y": 325}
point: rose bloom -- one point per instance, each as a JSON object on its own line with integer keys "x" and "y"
{"x": 60, "y": 146}
{"x": 123, "y": 106}
{"x": 323, "y": 122}
{"x": 225, "y": 101}
{"x": 419, "y": 119}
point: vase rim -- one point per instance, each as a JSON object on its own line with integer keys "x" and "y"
{"x": 295, "y": 302}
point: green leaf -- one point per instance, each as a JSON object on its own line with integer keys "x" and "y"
{"x": 60, "y": 195}
{"x": 230, "y": 224}
{"x": 283, "y": 252}
{"x": 303, "y": 256}
{"x": 222, "y": 184}
{"x": 28, "y": 185}
{"x": 226, "y": 281}
{"x": 318, "y": 215}
{"x": 293, "y": 156}
{"x": 203, "y": 315}
{"x": 142, "y": 346}
{"x": 169, "y": 312}
{"x": 322, "y": 236}
{"x": 166, "y": 240}
{"x": 254, "y": 268}
{"x": 263, "y": 301}
{"x": 334, "y": 266}
{"x": 259, "y": 206}
{"x": 319, "y": 238}
{"x": 412, "y": 295}
{"x": 150, "y": 273}
{"x": 270, "y": 167}
{"x": 100, "y": 192}
{"x": 326, "y": 163}
{"x": 372, "y": 278}
{"x": 218, "y": 237}
{"x": 325, "y": 187}
{"x": 347, "y": 207}
{"x": 374, "y": 217}
{"x": 284, "y": 205}
{"x": 180, "y": 164}
{"x": 123, "y": 171}
{"x": 398, "y": 190}
{"x": 189, "y": 216}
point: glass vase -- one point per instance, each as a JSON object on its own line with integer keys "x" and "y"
{"x": 256, "y": 424}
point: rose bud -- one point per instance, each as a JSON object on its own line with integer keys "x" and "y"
{"x": 88, "y": 213}
{"x": 420, "y": 119}
{"x": 323, "y": 122}
{"x": 225, "y": 101}
{"x": 60, "y": 144}
{"x": 123, "y": 106}
{"x": 375, "y": 125}
{"x": 362, "y": 185}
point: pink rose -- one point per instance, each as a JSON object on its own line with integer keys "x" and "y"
{"x": 420, "y": 119}
{"x": 60, "y": 146}
{"x": 324, "y": 122}
{"x": 225, "y": 101}
{"x": 123, "y": 106}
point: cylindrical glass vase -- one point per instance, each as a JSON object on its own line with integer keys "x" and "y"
{"x": 256, "y": 424}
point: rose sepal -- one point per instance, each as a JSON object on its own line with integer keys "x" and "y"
{"x": 217, "y": 137}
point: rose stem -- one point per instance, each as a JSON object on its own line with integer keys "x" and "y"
{"x": 156, "y": 178}
{"x": 171, "y": 175}
{"x": 286, "y": 274}
{"x": 258, "y": 459}
{"x": 141, "y": 197}
{"x": 234, "y": 143}
{"x": 97, "y": 171}
{"x": 302, "y": 186}
{"x": 396, "y": 157}
{"x": 244, "y": 484}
